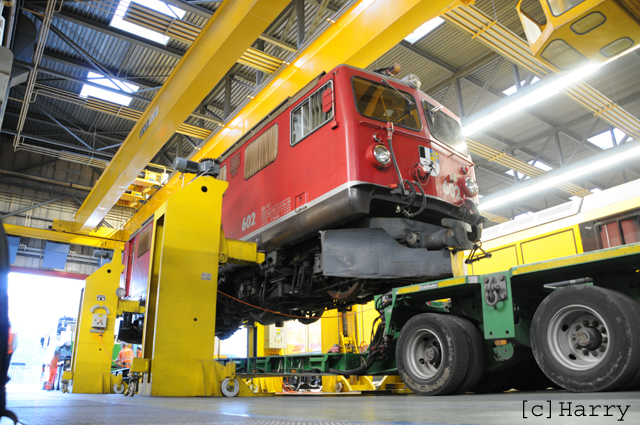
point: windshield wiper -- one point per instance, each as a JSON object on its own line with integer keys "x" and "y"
{"x": 399, "y": 92}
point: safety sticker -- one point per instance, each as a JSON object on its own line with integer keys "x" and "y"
{"x": 430, "y": 159}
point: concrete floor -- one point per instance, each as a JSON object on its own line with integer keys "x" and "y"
{"x": 53, "y": 408}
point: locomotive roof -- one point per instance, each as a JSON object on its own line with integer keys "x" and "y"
{"x": 293, "y": 99}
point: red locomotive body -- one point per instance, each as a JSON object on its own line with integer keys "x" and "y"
{"x": 348, "y": 159}
{"x": 358, "y": 183}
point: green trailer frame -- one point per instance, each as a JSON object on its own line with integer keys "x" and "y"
{"x": 500, "y": 305}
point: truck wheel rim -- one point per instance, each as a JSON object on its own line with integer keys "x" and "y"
{"x": 578, "y": 337}
{"x": 424, "y": 354}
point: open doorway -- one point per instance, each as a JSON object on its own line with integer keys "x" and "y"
{"x": 42, "y": 312}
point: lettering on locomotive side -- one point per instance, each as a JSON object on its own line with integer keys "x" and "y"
{"x": 271, "y": 213}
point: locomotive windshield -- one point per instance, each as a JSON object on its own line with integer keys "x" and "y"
{"x": 384, "y": 103}
{"x": 444, "y": 128}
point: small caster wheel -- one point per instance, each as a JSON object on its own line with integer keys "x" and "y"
{"x": 119, "y": 388}
{"x": 339, "y": 387}
{"x": 228, "y": 392}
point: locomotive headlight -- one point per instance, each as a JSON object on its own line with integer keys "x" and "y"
{"x": 470, "y": 186}
{"x": 382, "y": 154}
{"x": 413, "y": 81}
{"x": 378, "y": 156}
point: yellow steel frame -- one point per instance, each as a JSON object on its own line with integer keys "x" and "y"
{"x": 102, "y": 237}
{"x": 618, "y": 22}
{"x": 227, "y": 35}
{"x": 91, "y": 359}
{"x": 180, "y": 314}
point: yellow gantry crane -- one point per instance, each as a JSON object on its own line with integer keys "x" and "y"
{"x": 580, "y": 32}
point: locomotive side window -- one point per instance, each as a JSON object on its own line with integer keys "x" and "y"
{"x": 310, "y": 115}
{"x": 144, "y": 242}
{"x": 444, "y": 128}
{"x": 223, "y": 173}
{"x": 261, "y": 152}
{"x": 385, "y": 103}
{"x": 619, "y": 232}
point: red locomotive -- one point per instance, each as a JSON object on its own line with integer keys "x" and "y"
{"x": 358, "y": 183}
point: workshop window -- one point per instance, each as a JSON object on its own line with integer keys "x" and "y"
{"x": 312, "y": 113}
{"x": 223, "y": 173}
{"x": 144, "y": 242}
{"x": 261, "y": 152}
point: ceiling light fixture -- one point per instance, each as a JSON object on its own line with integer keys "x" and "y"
{"x": 611, "y": 158}
{"x": 531, "y": 95}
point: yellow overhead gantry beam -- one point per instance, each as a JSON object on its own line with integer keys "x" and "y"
{"x": 359, "y": 36}
{"x": 230, "y": 31}
{"x": 101, "y": 238}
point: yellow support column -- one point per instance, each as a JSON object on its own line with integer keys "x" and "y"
{"x": 179, "y": 334}
{"x": 93, "y": 346}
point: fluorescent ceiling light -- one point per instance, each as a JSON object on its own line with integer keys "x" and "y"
{"x": 543, "y": 92}
{"x": 604, "y": 141}
{"x": 424, "y": 29}
{"x": 590, "y": 167}
{"x": 156, "y": 5}
{"x": 537, "y": 164}
{"x": 105, "y": 94}
{"x": 511, "y": 90}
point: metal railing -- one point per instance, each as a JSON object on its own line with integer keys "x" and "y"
{"x": 25, "y": 374}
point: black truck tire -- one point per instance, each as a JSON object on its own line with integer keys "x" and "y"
{"x": 634, "y": 383}
{"x": 586, "y": 338}
{"x": 475, "y": 344}
{"x": 432, "y": 355}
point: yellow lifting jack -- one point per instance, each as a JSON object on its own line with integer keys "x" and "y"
{"x": 188, "y": 245}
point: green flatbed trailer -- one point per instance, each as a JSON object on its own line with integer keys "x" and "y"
{"x": 573, "y": 322}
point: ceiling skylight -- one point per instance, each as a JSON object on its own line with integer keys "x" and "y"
{"x": 424, "y": 29}
{"x": 105, "y": 94}
{"x": 537, "y": 164}
{"x": 156, "y": 5}
{"x": 523, "y": 215}
{"x": 511, "y": 90}
{"x": 603, "y": 140}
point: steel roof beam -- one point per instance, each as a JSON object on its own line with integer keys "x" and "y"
{"x": 561, "y": 127}
{"x": 58, "y": 143}
{"x": 233, "y": 28}
{"x": 114, "y": 32}
{"x": 42, "y": 120}
{"x": 86, "y": 66}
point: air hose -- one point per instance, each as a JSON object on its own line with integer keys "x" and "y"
{"x": 402, "y": 182}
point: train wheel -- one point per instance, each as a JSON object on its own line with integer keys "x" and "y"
{"x": 475, "y": 344}
{"x": 432, "y": 355}
{"x": 346, "y": 291}
{"x": 586, "y": 338}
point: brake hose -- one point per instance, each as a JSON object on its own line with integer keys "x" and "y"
{"x": 393, "y": 157}
{"x": 424, "y": 200}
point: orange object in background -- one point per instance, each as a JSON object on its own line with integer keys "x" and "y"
{"x": 53, "y": 370}
{"x": 125, "y": 356}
